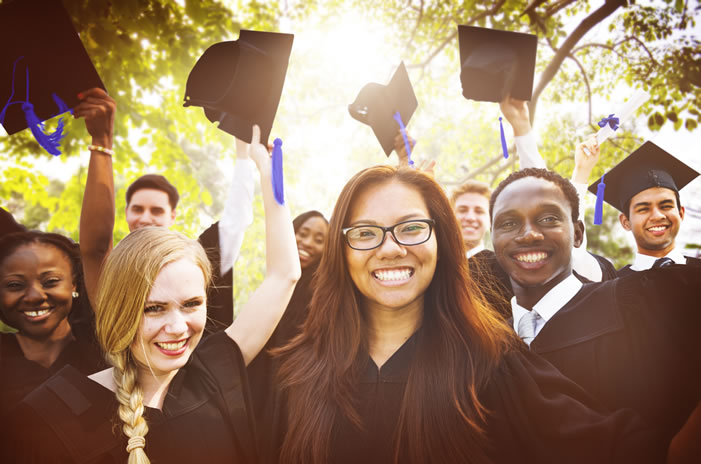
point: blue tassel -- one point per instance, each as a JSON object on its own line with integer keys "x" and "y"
{"x": 599, "y": 207}
{"x": 49, "y": 141}
{"x": 277, "y": 175}
{"x": 503, "y": 140}
{"x": 402, "y": 129}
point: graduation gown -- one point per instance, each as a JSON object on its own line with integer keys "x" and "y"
{"x": 627, "y": 270}
{"x": 220, "y": 296}
{"x": 632, "y": 343}
{"x": 536, "y": 415}
{"x": 205, "y": 416}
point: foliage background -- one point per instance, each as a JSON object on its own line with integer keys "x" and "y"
{"x": 591, "y": 56}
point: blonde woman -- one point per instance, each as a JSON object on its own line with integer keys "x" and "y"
{"x": 167, "y": 397}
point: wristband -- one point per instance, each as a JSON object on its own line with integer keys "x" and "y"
{"x": 104, "y": 150}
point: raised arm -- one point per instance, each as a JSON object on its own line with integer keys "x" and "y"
{"x": 260, "y": 315}
{"x": 98, "y": 210}
{"x": 517, "y": 114}
{"x": 238, "y": 209}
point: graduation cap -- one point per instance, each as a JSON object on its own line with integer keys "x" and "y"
{"x": 239, "y": 83}
{"x": 43, "y": 67}
{"x": 386, "y": 108}
{"x": 647, "y": 167}
{"x": 496, "y": 63}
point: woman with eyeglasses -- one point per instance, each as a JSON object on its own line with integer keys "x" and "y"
{"x": 399, "y": 360}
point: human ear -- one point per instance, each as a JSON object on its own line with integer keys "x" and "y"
{"x": 681, "y": 212}
{"x": 578, "y": 233}
{"x": 624, "y": 222}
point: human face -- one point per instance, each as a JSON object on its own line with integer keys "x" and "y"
{"x": 472, "y": 213}
{"x": 392, "y": 276}
{"x": 175, "y": 314}
{"x": 533, "y": 233}
{"x": 654, "y": 220}
{"x": 149, "y": 207}
{"x": 36, "y": 284}
{"x": 311, "y": 237}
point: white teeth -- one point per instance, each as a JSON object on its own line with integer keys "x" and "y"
{"x": 532, "y": 257}
{"x": 41, "y": 312}
{"x": 401, "y": 274}
{"x": 172, "y": 346}
{"x": 304, "y": 253}
{"x": 657, "y": 228}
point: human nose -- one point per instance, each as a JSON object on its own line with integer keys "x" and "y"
{"x": 176, "y": 322}
{"x": 529, "y": 234}
{"x": 34, "y": 294}
{"x": 657, "y": 213}
{"x": 390, "y": 248}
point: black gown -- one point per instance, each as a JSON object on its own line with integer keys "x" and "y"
{"x": 633, "y": 343}
{"x": 627, "y": 270}
{"x": 220, "y": 295}
{"x": 205, "y": 416}
{"x": 536, "y": 416}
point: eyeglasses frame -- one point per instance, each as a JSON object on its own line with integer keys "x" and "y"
{"x": 431, "y": 225}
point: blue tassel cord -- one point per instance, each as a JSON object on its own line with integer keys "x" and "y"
{"x": 402, "y": 129}
{"x": 612, "y": 122}
{"x": 277, "y": 174}
{"x": 599, "y": 207}
{"x": 51, "y": 142}
{"x": 503, "y": 140}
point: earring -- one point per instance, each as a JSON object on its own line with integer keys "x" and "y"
{"x": 75, "y": 294}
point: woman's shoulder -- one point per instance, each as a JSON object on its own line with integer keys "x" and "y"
{"x": 70, "y": 419}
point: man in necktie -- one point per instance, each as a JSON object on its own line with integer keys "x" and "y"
{"x": 629, "y": 342}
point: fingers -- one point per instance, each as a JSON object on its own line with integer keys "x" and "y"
{"x": 255, "y": 137}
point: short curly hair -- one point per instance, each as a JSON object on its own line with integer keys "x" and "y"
{"x": 565, "y": 186}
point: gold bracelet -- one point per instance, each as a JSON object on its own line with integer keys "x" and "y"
{"x": 104, "y": 150}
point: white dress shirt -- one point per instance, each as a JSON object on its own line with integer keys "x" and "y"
{"x": 644, "y": 262}
{"x": 237, "y": 214}
{"x": 473, "y": 251}
{"x": 550, "y": 304}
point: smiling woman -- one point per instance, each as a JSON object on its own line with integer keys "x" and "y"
{"x": 39, "y": 276}
{"x": 399, "y": 359}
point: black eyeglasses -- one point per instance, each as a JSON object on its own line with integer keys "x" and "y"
{"x": 407, "y": 233}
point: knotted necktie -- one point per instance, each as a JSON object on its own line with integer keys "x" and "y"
{"x": 662, "y": 262}
{"x": 526, "y": 327}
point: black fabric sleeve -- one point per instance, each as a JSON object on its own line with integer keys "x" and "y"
{"x": 220, "y": 297}
{"x": 540, "y": 416}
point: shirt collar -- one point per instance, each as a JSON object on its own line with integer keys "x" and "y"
{"x": 643, "y": 262}
{"x": 551, "y": 302}
{"x": 473, "y": 251}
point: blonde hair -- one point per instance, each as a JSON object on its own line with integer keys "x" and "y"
{"x": 470, "y": 186}
{"x": 125, "y": 282}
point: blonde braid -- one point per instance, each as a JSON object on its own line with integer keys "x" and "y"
{"x": 131, "y": 407}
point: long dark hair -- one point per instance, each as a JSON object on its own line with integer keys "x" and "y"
{"x": 302, "y": 218}
{"x": 460, "y": 344}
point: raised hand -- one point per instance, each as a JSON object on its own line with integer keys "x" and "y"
{"x": 586, "y": 155}
{"x": 400, "y": 147}
{"x": 516, "y": 112}
{"x": 97, "y": 108}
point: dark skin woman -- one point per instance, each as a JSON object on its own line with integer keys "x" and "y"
{"x": 399, "y": 360}
{"x": 40, "y": 287}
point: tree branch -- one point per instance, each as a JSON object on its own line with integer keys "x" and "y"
{"x": 586, "y": 82}
{"x": 585, "y": 26}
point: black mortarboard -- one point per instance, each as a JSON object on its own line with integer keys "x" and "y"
{"x": 648, "y": 166}
{"x": 496, "y": 63}
{"x": 41, "y": 45}
{"x": 377, "y": 104}
{"x": 239, "y": 83}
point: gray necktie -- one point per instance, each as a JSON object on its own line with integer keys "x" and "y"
{"x": 526, "y": 326}
{"x": 662, "y": 262}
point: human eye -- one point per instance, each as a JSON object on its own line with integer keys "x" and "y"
{"x": 14, "y": 285}
{"x": 153, "y": 308}
{"x": 193, "y": 304}
{"x": 550, "y": 219}
{"x": 363, "y": 233}
{"x": 413, "y": 227}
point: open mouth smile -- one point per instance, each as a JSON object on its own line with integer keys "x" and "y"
{"x": 173, "y": 348}
{"x": 37, "y": 314}
{"x": 531, "y": 259}
{"x": 393, "y": 276}
{"x": 657, "y": 230}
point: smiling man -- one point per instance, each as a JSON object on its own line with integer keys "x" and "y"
{"x": 630, "y": 342}
{"x": 644, "y": 187}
